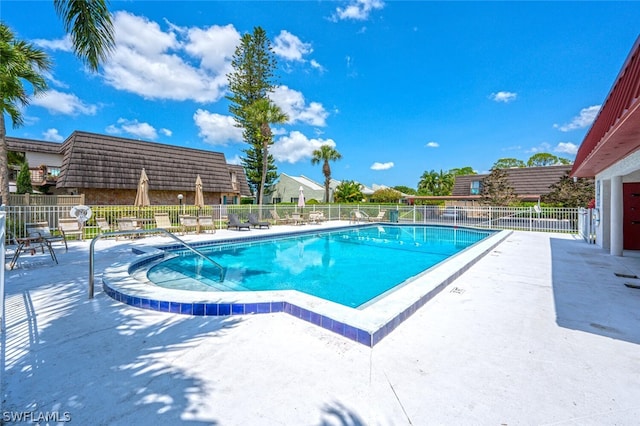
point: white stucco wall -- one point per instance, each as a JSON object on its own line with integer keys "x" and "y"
{"x": 629, "y": 170}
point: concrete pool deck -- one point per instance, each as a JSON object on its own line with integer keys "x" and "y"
{"x": 539, "y": 331}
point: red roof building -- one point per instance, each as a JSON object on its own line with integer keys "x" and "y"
{"x": 610, "y": 153}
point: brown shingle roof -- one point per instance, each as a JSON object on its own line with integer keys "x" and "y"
{"x": 524, "y": 180}
{"x": 101, "y": 161}
{"x": 24, "y": 145}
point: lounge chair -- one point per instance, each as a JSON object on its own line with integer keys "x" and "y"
{"x": 189, "y": 223}
{"x": 163, "y": 222}
{"x": 234, "y": 222}
{"x": 206, "y": 222}
{"x": 253, "y": 220}
{"x": 42, "y": 229}
{"x": 103, "y": 225}
{"x": 70, "y": 227}
{"x": 278, "y": 219}
{"x": 379, "y": 217}
{"x": 358, "y": 216}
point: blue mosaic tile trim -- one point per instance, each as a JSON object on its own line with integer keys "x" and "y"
{"x": 227, "y": 309}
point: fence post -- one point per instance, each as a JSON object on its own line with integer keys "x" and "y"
{"x": 530, "y": 219}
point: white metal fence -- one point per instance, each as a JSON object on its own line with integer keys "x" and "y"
{"x": 517, "y": 218}
{"x": 587, "y": 222}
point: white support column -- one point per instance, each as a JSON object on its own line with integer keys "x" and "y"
{"x": 616, "y": 216}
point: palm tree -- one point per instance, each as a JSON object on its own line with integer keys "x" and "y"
{"x": 436, "y": 183}
{"x": 261, "y": 114}
{"x": 348, "y": 191}
{"x": 19, "y": 62}
{"x": 325, "y": 154}
{"x": 89, "y": 24}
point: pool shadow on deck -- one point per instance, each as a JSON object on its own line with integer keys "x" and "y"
{"x": 588, "y": 296}
{"x": 99, "y": 360}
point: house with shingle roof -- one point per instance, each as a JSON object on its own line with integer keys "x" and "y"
{"x": 529, "y": 183}
{"x": 106, "y": 169}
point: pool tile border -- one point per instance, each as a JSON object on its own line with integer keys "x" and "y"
{"x": 115, "y": 286}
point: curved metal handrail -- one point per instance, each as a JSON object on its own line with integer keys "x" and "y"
{"x": 142, "y": 231}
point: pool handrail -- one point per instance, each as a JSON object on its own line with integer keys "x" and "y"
{"x": 143, "y": 231}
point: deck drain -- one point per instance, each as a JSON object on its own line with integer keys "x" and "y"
{"x": 456, "y": 290}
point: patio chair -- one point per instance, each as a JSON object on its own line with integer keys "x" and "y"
{"x": 128, "y": 224}
{"x": 69, "y": 227}
{"x": 379, "y": 217}
{"x": 42, "y": 229}
{"x": 297, "y": 219}
{"x": 278, "y": 219}
{"x": 234, "y": 222}
{"x": 253, "y": 220}
{"x": 103, "y": 225}
{"x": 189, "y": 223}
{"x": 163, "y": 222}
{"x": 316, "y": 217}
{"x": 358, "y": 216}
{"x": 206, "y": 222}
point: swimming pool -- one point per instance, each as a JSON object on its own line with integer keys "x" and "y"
{"x": 126, "y": 281}
{"x": 350, "y": 267}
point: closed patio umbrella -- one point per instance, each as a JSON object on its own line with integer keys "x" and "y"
{"x": 301, "y": 198}
{"x": 199, "y": 194}
{"x": 142, "y": 197}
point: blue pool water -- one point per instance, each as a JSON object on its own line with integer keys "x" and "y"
{"x": 350, "y": 267}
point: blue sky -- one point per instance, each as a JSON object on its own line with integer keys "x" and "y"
{"x": 398, "y": 88}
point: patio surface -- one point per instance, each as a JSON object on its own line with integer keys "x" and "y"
{"x": 538, "y": 332}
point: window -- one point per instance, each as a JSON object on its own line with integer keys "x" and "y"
{"x": 476, "y": 187}
{"x": 276, "y": 200}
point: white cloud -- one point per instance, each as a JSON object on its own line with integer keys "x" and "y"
{"x": 505, "y": 97}
{"x": 543, "y": 147}
{"x": 166, "y": 132}
{"x": 432, "y": 144}
{"x": 382, "y": 166}
{"x": 52, "y": 135}
{"x": 63, "y": 103}
{"x": 155, "y": 64}
{"x": 357, "y": 10}
{"x": 567, "y": 148}
{"x": 296, "y": 147}
{"x": 64, "y": 44}
{"x": 216, "y": 129}
{"x": 582, "y": 120}
{"x": 134, "y": 128}
{"x": 290, "y": 47}
{"x": 235, "y": 160}
{"x": 293, "y": 104}
{"x": 315, "y": 64}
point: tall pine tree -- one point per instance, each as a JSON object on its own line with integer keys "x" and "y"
{"x": 252, "y": 79}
